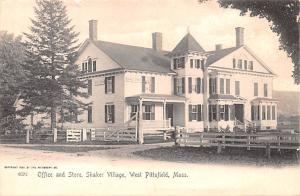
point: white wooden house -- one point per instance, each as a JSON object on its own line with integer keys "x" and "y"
{"x": 187, "y": 86}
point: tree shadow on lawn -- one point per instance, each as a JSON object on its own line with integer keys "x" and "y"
{"x": 66, "y": 149}
{"x": 228, "y": 156}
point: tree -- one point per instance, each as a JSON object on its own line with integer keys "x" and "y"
{"x": 283, "y": 15}
{"x": 51, "y": 51}
{"x": 12, "y": 75}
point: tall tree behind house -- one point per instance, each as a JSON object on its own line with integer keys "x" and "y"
{"x": 51, "y": 51}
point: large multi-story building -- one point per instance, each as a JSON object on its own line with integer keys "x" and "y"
{"x": 187, "y": 86}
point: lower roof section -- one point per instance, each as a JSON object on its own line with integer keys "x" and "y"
{"x": 156, "y": 98}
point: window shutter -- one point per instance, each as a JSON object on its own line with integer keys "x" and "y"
{"x": 90, "y": 87}
{"x": 190, "y": 112}
{"x": 143, "y": 84}
{"x": 152, "y": 112}
{"x": 190, "y": 85}
{"x": 113, "y": 84}
{"x": 210, "y": 113}
{"x": 183, "y": 85}
{"x": 105, "y": 85}
{"x": 183, "y": 62}
{"x": 198, "y": 85}
{"x": 227, "y": 86}
{"x": 82, "y": 67}
{"x": 113, "y": 113}
{"x": 175, "y": 86}
{"x": 152, "y": 84}
{"x": 203, "y": 85}
{"x": 105, "y": 115}
{"x": 199, "y": 110}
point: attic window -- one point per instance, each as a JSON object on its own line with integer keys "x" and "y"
{"x": 202, "y": 63}
{"x": 251, "y": 65}
{"x": 240, "y": 64}
{"x": 245, "y": 64}
{"x": 178, "y": 63}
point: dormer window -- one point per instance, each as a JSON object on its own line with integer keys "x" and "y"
{"x": 178, "y": 63}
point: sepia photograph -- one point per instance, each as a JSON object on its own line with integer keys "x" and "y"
{"x": 149, "y": 97}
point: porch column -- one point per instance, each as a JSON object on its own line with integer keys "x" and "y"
{"x": 140, "y": 128}
{"x": 218, "y": 115}
{"x": 164, "y": 114}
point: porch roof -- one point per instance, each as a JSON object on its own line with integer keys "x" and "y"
{"x": 157, "y": 98}
{"x": 264, "y": 99}
{"x": 226, "y": 98}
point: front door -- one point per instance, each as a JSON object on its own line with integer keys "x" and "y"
{"x": 169, "y": 112}
{"x": 239, "y": 112}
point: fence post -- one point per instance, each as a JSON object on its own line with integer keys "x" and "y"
{"x": 84, "y": 135}
{"x": 268, "y": 150}
{"x": 177, "y": 135}
{"x": 27, "y": 136}
{"x": 165, "y": 135}
{"x": 278, "y": 139}
{"x": 248, "y": 142}
{"x": 219, "y": 149}
{"x": 54, "y": 135}
{"x": 201, "y": 137}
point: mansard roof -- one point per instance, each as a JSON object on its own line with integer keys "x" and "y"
{"x": 187, "y": 44}
{"x": 136, "y": 58}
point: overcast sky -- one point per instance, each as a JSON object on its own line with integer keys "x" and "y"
{"x": 133, "y": 21}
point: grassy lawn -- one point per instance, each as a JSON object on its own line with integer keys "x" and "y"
{"x": 66, "y": 149}
{"x": 229, "y": 156}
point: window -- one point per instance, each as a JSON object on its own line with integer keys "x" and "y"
{"x": 263, "y": 112}
{"x": 82, "y": 67}
{"x": 212, "y": 112}
{"x": 90, "y": 87}
{"x": 202, "y": 63}
{"x": 273, "y": 112}
{"x": 179, "y": 85}
{"x": 227, "y": 86}
{"x": 191, "y": 63}
{"x": 212, "y": 85}
{"x": 233, "y": 63}
{"x": 195, "y": 112}
{"x": 198, "y": 63}
{"x": 85, "y": 66}
{"x": 245, "y": 64}
{"x": 240, "y": 64}
{"x": 94, "y": 65}
{"x": 221, "y": 85}
{"x": 109, "y": 85}
{"x": 179, "y": 63}
{"x": 268, "y": 112}
{"x": 222, "y": 112}
{"x": 255, "y": 115}
{"x": 266, "y": 90}
{"x": 148, "y": 112}
{"x": 226, "y": 112}
{"x": 237, "y": 88}
{"x": 90, "y": 114}
{"x": 255, "y": 89}
{"x": 133, "y": 111}
{"x": 109, "y": 113}
{"x": 90, "y": 65}
{"x": 148, "y": 84}
{"x": 251, "y": 65}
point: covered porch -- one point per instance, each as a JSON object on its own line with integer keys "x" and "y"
{"x": 153, "y": 112}
{"x": 226, "y": 112}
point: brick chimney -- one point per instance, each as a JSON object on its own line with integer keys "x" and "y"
{"x": 93, "y": 30}
{"x": 239, "y": 31}
{"x": 157, "y": 41}
{"x": 218, "y": 47}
